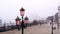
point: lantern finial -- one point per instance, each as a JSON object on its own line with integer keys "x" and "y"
{"x": 22, "y": 9}
{"x": 17, "y": 18}
{"x": 26, "y": 18}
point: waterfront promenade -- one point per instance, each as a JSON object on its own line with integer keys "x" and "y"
{"x": 36, "y": 29}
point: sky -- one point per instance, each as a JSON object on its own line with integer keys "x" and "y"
{"x": 34, "y": 9}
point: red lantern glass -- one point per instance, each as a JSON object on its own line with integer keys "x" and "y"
{"x": 22, "y": 13}
{"x": 25, "y": 21}
{"x": 18, "y": 22}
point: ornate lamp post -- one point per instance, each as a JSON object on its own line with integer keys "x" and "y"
{"x": 22, "y": 12}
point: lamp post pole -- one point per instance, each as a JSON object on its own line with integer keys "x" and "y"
{"x": 52, "y": 28}
{"x": 22, "y": 12}
{"x": 22, "y": 25}
{"x": 52, "y": 25}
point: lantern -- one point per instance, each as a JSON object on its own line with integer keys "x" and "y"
{"x": 22, "y": 11}
{"x": 26, "y": 20}
{"x": 17, "y": 21}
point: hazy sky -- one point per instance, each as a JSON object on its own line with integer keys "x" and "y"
{"x": 34, "y": 9}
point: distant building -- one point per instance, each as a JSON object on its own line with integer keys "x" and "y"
{"x": 35, "y": 22}
{"x": 0, "y": 21}
{"x": 59, "y": 13}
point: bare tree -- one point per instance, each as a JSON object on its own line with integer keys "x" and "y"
{"x": 56, "y": 20}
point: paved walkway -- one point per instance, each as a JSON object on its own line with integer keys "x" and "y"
{"x": 37, "y": 29}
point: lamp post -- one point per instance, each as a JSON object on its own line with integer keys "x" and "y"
{"x": 52, "y": 24}
{"x": 22, "y": 11}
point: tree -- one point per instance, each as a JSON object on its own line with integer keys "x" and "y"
{"x": 56, "y": 19}
{"x": 48, "y": 18}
